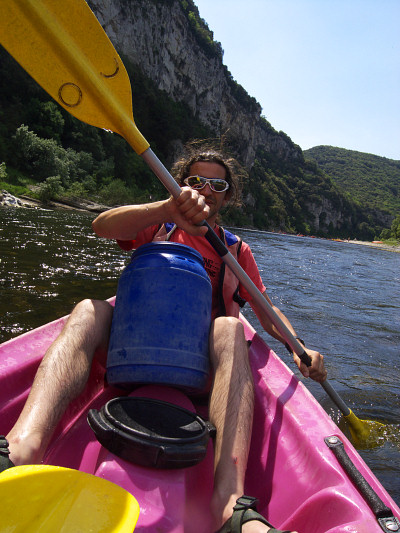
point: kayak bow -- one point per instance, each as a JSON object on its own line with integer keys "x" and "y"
{"x": 293, "y": 468}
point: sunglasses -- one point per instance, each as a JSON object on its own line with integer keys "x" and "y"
{"x": 198, "y": 182}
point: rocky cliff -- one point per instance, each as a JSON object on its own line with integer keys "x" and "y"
{"x": 158, "y": 36}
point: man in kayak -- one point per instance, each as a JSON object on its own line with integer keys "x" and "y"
{"x": 209, "y": 182}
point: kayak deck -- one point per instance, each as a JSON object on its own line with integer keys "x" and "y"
{"x": 295, "y": 476}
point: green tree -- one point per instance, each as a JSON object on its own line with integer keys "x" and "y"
{"x": 395, "y": 228}
{"x": 46, "y": 119}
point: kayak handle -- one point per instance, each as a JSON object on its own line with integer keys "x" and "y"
{"x": 382, "y": 512}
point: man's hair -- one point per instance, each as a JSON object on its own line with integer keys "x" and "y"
{"x": 199, "y": 151}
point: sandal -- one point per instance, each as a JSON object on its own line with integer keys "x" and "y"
{"x": 244, "y": 511}
{"x": 4, "y": 453}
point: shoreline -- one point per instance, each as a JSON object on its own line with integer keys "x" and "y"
{"x": 387, "y": 247}
{"x": 92, "y": 207}
{"x": 10, "y": 200}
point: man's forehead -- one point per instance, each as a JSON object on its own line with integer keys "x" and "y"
{"x": 204, "y": 167}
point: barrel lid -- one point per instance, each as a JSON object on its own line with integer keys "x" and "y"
{"x": 151, "y": 432}
{"x": 167, "y": 247}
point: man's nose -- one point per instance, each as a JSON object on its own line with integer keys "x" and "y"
{"x": 206, "y": 190}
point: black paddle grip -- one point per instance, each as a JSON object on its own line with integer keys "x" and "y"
{"x": 305, "y": 358}
{"x": 215, "y": 241}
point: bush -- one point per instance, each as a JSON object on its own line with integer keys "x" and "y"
{"x": 90, "y": 185}
{"x": 116, "y": 193}
{"x": 41, "y": 157}
{"x": 385, "y": 235}
{"x": 76, "y": 190}
{"x": 3, "y": 171}
{"x": 50, "y": 189}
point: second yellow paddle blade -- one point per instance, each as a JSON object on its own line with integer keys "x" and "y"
{"x": 368, "y": 433}
{"x": 51, "y": 499}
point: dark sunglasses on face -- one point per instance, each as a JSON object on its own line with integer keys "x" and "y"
{"x": 198, "y": 182}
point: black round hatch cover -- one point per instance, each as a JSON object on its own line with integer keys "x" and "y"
{"x": 151, "y": 433}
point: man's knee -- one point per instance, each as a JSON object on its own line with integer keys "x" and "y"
{"x": 228, "y": 325}
{"x": 88, "y": 327}
{"x": 92, "y": 316}
{"x": 96, "y": 309}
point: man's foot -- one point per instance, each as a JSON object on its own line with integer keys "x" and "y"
{"x": 246, "y": 519}
{"x": 24, "y": 451}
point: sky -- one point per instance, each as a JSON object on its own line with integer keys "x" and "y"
{"x": 326, "y": 72}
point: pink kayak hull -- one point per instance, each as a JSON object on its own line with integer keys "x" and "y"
{"x": 297, "y": 479}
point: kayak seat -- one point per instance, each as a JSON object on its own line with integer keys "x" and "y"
{"x": 151, "y": 433}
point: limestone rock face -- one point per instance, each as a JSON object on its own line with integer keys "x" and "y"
{"x": 325, "y": 213}
{"x": 157, "y": 36}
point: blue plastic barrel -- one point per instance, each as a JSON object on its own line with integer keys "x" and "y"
{"x": 161, "y": 321}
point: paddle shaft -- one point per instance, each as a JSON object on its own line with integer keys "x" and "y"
{"x": 168, "y": 181}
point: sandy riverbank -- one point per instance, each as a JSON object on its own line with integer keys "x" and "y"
{"x": 387, "y": 247}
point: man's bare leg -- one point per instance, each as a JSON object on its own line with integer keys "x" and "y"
{"x": 61, "y": 377}
{"x": 231, "y": 411}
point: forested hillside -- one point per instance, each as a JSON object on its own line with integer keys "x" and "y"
{"x": 368, "y": 179}
{"x": 45, "y": 149}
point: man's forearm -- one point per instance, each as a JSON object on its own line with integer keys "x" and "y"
{"x": 126, "y": 221}
{"x": 266, "y": 323}
{"x": 272, "y": 330}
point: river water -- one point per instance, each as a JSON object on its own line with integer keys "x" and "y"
{"x": 342, "y": 298}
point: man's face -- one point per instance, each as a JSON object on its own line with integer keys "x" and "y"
{"x": 215, "y": 200}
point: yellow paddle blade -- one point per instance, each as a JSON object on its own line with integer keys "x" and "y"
{"x": 365, "y": 433}
{"x": 63, "y": 47}
{"x": 51, "y": 499}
